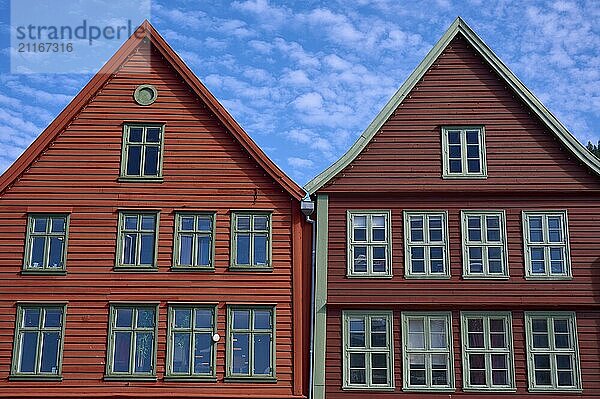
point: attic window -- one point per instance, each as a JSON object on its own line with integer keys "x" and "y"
{"x": 145, "y": 94}
{"x": 142, "y": 152}
{"x": 463, "y": 150}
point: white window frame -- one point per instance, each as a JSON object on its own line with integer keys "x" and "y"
{"x": 409, "y": 244}
{"x": 367, "y": 349}
{"x": 427, "y": 351}
{"x": 546, "y": 244}
{"x": 488, "y": 351}
{"x": 484, "y": 244}
{"x": 369, "y": 243}
{"x": 464, "y": 174}
{"x": 552, "y": 351}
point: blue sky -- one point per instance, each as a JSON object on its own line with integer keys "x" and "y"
{"x": 305, "y": 78}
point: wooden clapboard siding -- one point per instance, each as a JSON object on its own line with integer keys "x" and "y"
{"x": 461, "y": 89}
{"x": 205, "y": 168}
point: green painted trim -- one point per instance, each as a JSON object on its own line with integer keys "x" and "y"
{"x": 191, "y": 376}
{"x": 259, "y": 380}
{"x": 367, "y": 315}
{"x": 488, "y": 351}
{"x": 109, "y": 374}
{"x": 464, "y": 214}
{"x": 546, "y": 244}
{"x": 26, "y": 269}
{"x": 446, "y": 174}
{"x": 37, "y": 375}
{"x": 138, "y": 98}
{"x": 132, "y": 179}
{"x": 449, "y": 351}
{"x": 320, "y": 297}
{"x": 176, "y": 240}
{"x": 119, "y": 266}
{"x": 458, "y": 26}
{"x": 426, "y": 243}
{"x": 369, "y": 244}
{"x": 229, "y": 375}
{"x": 123, "y": 176}
{"x": 572, "y": 319}
{"x": 233, "y": 265}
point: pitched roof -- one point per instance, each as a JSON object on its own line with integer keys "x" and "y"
{"x": 146, "y": 30}
{"x": 458, "y": 27}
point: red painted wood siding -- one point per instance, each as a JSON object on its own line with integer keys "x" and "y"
{"x": 204, "y": 168}
{"x": 460, "y": 89}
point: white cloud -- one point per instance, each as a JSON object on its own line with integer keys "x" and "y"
{"x": 309, "y": 102}
{"x": 297, "y": 162}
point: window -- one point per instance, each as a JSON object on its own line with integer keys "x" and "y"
{"x": 427, "y": 355}
{"x": 552, "y": 351}
{"x": 194, "y": 241}
{"x": 191, "y": 351}
{"x": 251, "y": 240}
{"x": 46, "y": 243}
{"x": 463, "y": 151}
{"x": 369, "y": 243}
{"x": 426, "y": 246}
{"x": 547, "y": 254}
{"x": 138, "y": 239}
{"x": 368, "y": 350}
{"x": 132, "y": 341}
{"x": 251, "y": 342}
{"x": 38, "y": 343}
{"x": 485, "y": 253}
{"x": 141, "y": 156}
{"x": 487, "y": 351}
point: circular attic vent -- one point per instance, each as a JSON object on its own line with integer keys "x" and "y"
{"x": 145, "y": 94}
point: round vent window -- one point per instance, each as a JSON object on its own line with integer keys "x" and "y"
{"x": 145, "y": 94}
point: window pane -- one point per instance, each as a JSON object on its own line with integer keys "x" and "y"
{"x": 417, "y": 369}
{"x": 473, "y": 166}
{"x": 58, "y": 225}
{"x": 187, "y": 223}
{"x": 357, "y": 360}
{"x": 416, "y": 228}
{"x": 243, "y": 222}
{"x": 472, "y": 151}
{"x": 31, "y": 317}
{"x": 241, "y": 352}
{"x": 262, "y": 320}
{"x": 181, "y": 352}
{"x": 243, "y": 249}
{"x": 37, "y": 251}
{"x": 541, "y": 361}
{"x": 50, "y": 347}
{"x": 204, "y": 318}
{"x": 435, "y": 228}
{"x": 241, "y": 319}
{"x": 28, "y": 350}
{"x": 53, "y": 318}
{"x": 185, "y": 250}
{"x": 535, "y": 229}
{"x": 260, "y": 249}
{"x": 357, "y": 376}
{"x": 204, "y": 223}
{"x": 472, "y": 136}
{"x": 436, "y": 256}
{"x": 379, "y": 259}
{"x": 417, "y": 259}
{"x": 124, "y": 317}
{"x": 454, "y": 136}
{"x": 455, "y": 166}
{"x": 153, "y": 134}
{"x": 183, "y": 318}
{"x": 122, "y": 351}
{"x": 439, "y": 372}
{"x": 151, "y": 161}
{"x": 147, "y": 250}
{"x": 131, "y": 222}
{"x": 39, "y": 224}
{"x": 565, "y": 378}
{"x": 144, "y": 352}
{"x": 455, "y": 151}
{"x": 542, "y": 378}
{"x": 262, "y": 354}
{"x": 557, "y": 262}
{"x": 135, "y": 134}
{"x": 202, "y": 354}
{"x": 134, "y": 160}
{"x": 145, "y": 318}
{"x": 360, "y": 259}
{"x": 438, "y": 333}
{"x": 261, "y": 223}
{"x": 204, "y": 251}
{"x": 148, "y": 222}
{"x": 129, "y": 249}
{"x": 56, "y": 252}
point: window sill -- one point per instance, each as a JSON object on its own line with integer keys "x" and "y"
{"x": 548, "y": 278}
{"x": 130, "y": 378}
{"x": 482, "y": 277}
{"x": 133, "y": 269}
{"x": 466, "y": 177}
{"x": 379, "y": 389}
{"x": 557, "y": 390}
{"x": 425, "y": 389}
{"x": 30, "y": 272}
{"x": 41, "y": 378}
{"x": 357, "y": 276}
{"x": 187, "y": 378}
{"x": 411, "y": 277}
{"x": 269, "y": 380}
{"x": 127, "y": 179}
{"x": 187, "y": 269}
{"x": 493, "y": 389}
{"x": 251, "y": 269}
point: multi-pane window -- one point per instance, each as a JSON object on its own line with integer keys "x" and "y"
{"x": 368, "y": 350}
{"x": 137, "y": 240}
{"x": 132, "y": 341}
{"x": 191, "y": 351}
{"x": 46, "y": 242}
{"x": 485, "y": 253}
{"x": 369, "y": 243}
{"x": 38, "y": 341}
{"x": 552, "y": 351}
{"x": 251, "y": 342}
{"x": 426, "y": 245}
{"x": 463, "y": 151}
{"x": 194, "y": 235}
{"x": 251, "y": 240}
{"x": 546, "y": 245}
{"x": 487, "y": 351}
{"x": 142, "y": 151}
{"x": 427, "y": 354}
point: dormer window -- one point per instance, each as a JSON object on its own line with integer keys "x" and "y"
{"x": 463, "y": 150}
{"x": 142, "y": 152}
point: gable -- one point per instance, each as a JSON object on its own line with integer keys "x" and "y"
{"x": 123, "y": 63}
{"x": 461, "y": 82}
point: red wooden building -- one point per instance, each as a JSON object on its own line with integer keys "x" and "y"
{"x": 149, "y": 248}
{"x": 457, "y": 243}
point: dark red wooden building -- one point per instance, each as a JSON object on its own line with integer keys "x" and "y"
{"x": 457, "y": 243}
{"x": 149, "y": 248}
